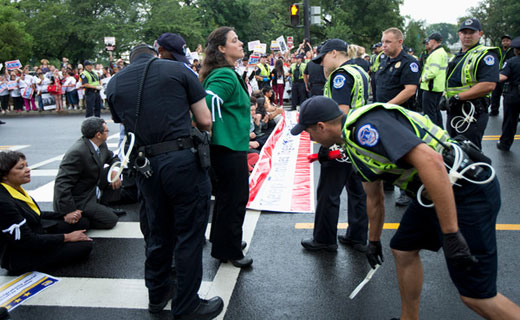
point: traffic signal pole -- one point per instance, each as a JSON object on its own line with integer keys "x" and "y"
{"x": 306, "y": 19}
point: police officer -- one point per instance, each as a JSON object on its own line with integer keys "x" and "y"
{"x": 153, "y": 99}
{"x": 388, "y": 142}
{"x": 375, "y": 61}
{"x": 347, "y": 84}
{"x": 472, "y": 75}
{"x": 510, "y": 74}
{"x": 396, "y": 80}
{"x": 433, "y": 78}
{"x": 507, "y": 53}
{"x": 90, "y": 82}
{"x": 298, "y": 92}
{"x": 262, "y": 73}
{"x": 314, "y": 77}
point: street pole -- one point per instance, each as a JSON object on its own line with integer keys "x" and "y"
{"x": 306, "y": 19}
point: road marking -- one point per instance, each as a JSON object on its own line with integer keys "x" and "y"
{"x": 496, "y": 137}
{"x": 126, "y": 230}
{"x": 44, "y": 172}
{"x": 14, "y": 147}
{"x": 44, "y": 193}
{"x": 46, "y": 162}
{"x": 96, "y": 293}
{"x": 394, "y": 226}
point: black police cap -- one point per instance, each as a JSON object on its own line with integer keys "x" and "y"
{"x": 472, "y": 24}
{"x": 316, "y": 109}
{"x": 506, "y": 36}
{"x": 515, "y": 43}
{"x": 328, "y": 46}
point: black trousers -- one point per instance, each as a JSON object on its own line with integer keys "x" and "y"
{"x": 231, "y": 190}
{"x": 430, "y": 106}
{"x": 495, "y": 97}
{"x": 176, "y": 203}
{"x": 5, "y": 102}
{"x": 373, "y": 83}
{"x": 316, "y": 89}
{"x": 510, "y": 121}
{"x": 298, "y": 94}
{"x": 476, "y": 129}
{"x": 93, "y": 101}
{"x": 333, "y": 177}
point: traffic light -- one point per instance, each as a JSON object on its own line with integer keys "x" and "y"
{"x": 295, "y": 14}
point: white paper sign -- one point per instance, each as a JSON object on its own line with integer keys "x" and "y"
{"x": 282, "y": 44}
{"x": 252, "y": 44}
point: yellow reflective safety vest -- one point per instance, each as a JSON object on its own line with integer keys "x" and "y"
{"x": 302, "y": 69}
{"x": 264, "y": 70}
{"x": 468, "y": 74}
{"x": 376, "y": 62}
{"x": 358, "y": 89}
{"x": 373, "y": 166}
{"x": 433, "y": 77}
{"x": 93, "y": 79}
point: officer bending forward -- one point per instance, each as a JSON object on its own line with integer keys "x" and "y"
{"x": 388, "y": 142}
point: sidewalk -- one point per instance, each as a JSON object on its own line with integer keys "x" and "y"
{"x": 24, "y": 113}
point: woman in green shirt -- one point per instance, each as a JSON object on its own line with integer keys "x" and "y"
{"x": 228, "y": 100}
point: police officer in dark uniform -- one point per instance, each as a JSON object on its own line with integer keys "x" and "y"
{"x": 387, "y": 142}
{"x": 90, "y": 82}
{"x": 507, "y": 53}
{"x": 314, "y": 78}
{"x": 471, "y": 77}
{"x": 298, "y": 92}
{"x": 510, "y": 74}
{"x": 153, "y": 98}
{"x": 397, "y": 79}
{"x": 375, "y": 61}
{"x": 347, "y": 84}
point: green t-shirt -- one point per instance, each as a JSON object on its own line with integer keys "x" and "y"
{"x": 229, "y": 103}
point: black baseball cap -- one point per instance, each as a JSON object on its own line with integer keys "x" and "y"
{"x": 328, "y": 46}
{"x": 435, "y": 36}
{"x": 175, "y": 45}
{"x": 506, "y": 36}
{"x": 86, "y": 63}
{"x": 472, "y": 23}
{"x": 299, "y": 56}
{"x": 376, "y": 45}
{"x": 314, "y": 110}
{"x": 515, "y": 43}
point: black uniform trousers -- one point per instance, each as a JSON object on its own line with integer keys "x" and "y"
{"x": 334, "y": 176}
{"x": 373, "y": 84}
{"x": 176, "y": 200}
{"x": 510, "y": 121}
{"x": 231, "y": 190}
{"x": 474, "y": 132}
{"x": 430, "y": 106}
{"x": 298, "y": 93}
{"x": 93, "y": 101}
{"x": 316, "y": 89}
{"x": 495, "y": 97}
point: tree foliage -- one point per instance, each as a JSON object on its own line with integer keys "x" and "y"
{"x": 498, "y": 17}
{"x": 15, "y": 42}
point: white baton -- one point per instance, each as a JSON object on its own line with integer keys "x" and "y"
{"x": 364, "y": 282}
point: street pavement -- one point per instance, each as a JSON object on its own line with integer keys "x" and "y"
{"x": 285, "y": 282}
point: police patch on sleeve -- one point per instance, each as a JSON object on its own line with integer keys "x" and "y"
{"x": 368, "y": 135}
{"x": 489, "y": 60}
{"x": 414, "y": 67}
{"x": 339, "y": 81}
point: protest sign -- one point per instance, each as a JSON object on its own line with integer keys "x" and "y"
{"x": 253, "y": 59}
{"x": 12, "y": 85}
{"x": 281, "y": 44}
{"x": 14, "y": 64}
{"x": 24, "y": 287}
{"x": 260, "y": 48}
{"x": 252, "y": 44}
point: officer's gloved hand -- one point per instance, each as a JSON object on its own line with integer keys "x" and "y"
{"x": 457, "y": 252}
{"x": 453, "y": 102}
{"x": 323, "y": 155}
{"x": 375, "y": 253}
{"x": 443, "y": 104}
{"x": 266, "y": 79}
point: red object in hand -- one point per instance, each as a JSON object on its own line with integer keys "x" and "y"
{"x": 333, "y": 154}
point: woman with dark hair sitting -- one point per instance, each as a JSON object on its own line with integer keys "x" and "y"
{"x": 31, "y": 239}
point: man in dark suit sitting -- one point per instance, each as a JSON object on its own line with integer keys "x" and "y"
{"x": 81, "y": 176}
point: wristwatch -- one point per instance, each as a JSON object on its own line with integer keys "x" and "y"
{"x": 456, "y": 96}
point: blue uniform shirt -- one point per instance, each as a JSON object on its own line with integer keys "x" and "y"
{"x": 341, "y": 86}
{"x": 487, "y": 69}
{"x": 394, "y": 73}
{"x": 511, "y": 69}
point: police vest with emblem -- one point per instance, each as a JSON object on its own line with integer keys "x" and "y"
{"x": 358, "y": 89}
{"x": 373, "y": 166}
{"x": 376, "y": 63}
{"x": 92, "y": 78}
{"x": 468, "y": 74}
{"x": 302, "y": 69}
{"x": 264, "y": 72}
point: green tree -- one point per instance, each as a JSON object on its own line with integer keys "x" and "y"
{"x": 498, "y": 17}
{"x": 15, "y": 42}
{"x": 448, "y": 32}
{"x": 414, "y": 35}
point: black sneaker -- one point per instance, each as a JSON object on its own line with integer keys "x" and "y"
{"x": 358, "y": 246}
{"x": 159, "y": 306}
{"x": 403, "y": 200}
{"x": 501, "y": 146}
{"x": 312, "y": 245}
{"x": 206, "y": 310}
{"x": 493, "y": 113}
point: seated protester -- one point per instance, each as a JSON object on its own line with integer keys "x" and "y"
{"x": 256, "y": 127}
{"x": 273, "y": 111}
{"x": 81, "y": 177}
{"x": 32, "y": 239}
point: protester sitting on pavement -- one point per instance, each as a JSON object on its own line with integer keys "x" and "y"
{"x": 82, "y": 179}
{"x": 33, "y": 239}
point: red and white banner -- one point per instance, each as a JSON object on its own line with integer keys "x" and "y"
{"x": 282, "y": 179}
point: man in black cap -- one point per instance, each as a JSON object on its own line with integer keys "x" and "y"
{"x": 171, "y": 46}
{"x": 472, "y": 76}
{"x": 90, "y": 82}
{"x": 314, "y": 77}
{"x": 507, "y": 53}
{"x": 433, "y": 78}
{"x": 510, "y": 74}
{"x": 298, "y": 91}
{"x": 388, "y": 142}
{"x": 347, "y": 85}
{"x": 155, "y": 100}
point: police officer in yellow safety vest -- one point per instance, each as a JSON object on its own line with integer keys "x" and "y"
{"x": 262, "y": 73}
{"x": 347, "y": 84}
{"x": 388, "y": 142}
{"x": 433, "y": 78}
{"x": 375, "y": 61}
{"x": 90, "y": 81}
{"x": 298, "y": 91}
{"x": 472, "y": 76}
